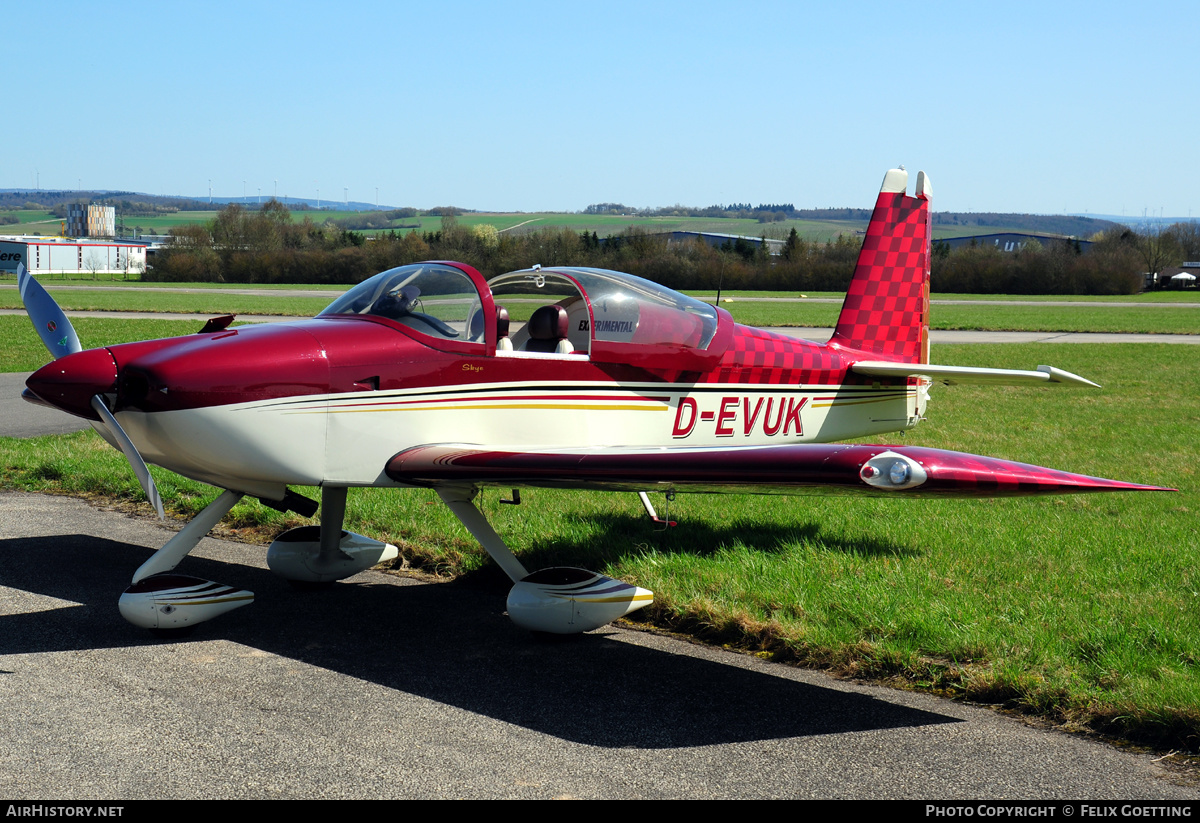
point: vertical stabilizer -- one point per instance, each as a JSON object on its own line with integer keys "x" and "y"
{"x": 886, "y": 313}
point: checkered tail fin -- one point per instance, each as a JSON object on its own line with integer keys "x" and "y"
{"x": 886, "y": 313}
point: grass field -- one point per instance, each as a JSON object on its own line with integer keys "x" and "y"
{"x": 1086, "y": 315}
{"x": 1163, "y": 319}
{"x": 104, "y": 281}
{"x": 1084, "y": 610}
{"x": 46, "y": 224}
{"x": 23, "y": 351}
{"x": 1190, "y": 297}
{"x": 201, "y": 304}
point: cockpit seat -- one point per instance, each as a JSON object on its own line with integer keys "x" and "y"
{"x": 548, "y": 331}
{"x": 503, "y": 343}
{"x": 476, "y": 329}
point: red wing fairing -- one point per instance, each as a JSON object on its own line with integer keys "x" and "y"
{"x": 795, "y": 469}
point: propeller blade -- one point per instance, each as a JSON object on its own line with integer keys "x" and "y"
{"x": 60, "y": 339}
{"x": 48, "y": 319}
{"x": 131, "y": 454}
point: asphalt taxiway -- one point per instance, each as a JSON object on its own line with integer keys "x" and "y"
{"x": 386, "y": 687}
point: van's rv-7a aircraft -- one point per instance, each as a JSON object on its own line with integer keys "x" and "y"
{"x": 412, "y": 378}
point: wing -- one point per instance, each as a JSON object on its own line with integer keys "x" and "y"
{"x": 790, "y": 469}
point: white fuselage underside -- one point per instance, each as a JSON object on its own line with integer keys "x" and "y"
{"x": 346, "y": 439}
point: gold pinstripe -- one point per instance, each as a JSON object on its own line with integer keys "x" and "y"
{"x": 481, "y": 406}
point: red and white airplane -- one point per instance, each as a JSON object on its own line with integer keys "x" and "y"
{"x": 412, "y": 378}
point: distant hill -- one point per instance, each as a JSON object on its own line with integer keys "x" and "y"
{"x": 135, "y": 203}
{"x": 299, "y": 203}
{"x": 12, "y": 199}
{"x": 1143, "y": 222}
{"x": 1072, "y": 225}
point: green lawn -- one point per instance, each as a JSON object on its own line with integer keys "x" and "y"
{"x": 1029, "y": 317}
{"x": 1154, "y": 317}
{"x": 46, "y": 224}
{"x": 155, "y": 301}
{"x": 1189, "y": 297}
{"x": 23, "y": 350}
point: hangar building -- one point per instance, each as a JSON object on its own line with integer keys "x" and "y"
{"x": 52, "y": 255}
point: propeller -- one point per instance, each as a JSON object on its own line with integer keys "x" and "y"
{"x": 131, "y": 454}
{"x": 58, "y": 335}
{"x": 48, "y": 319}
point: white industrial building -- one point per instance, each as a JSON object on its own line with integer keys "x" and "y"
{"x": 52, "y": 255}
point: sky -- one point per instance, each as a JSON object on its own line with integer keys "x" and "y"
{"x": 1049, "y": 108}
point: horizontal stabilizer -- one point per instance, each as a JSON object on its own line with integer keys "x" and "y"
{"x": 952, "y": 375}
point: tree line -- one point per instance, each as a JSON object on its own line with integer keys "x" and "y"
{"x": 267, "y": 246}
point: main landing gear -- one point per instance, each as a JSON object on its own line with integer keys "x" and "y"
{"x": 559, "y": 600}
{"x": 161, "y": 600}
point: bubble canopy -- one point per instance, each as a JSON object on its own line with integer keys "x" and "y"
{"x": 624, "y": 308}
{"x": 613, "y": 317}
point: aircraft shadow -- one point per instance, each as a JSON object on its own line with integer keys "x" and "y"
{"x": 697, "y": 537}
{"x": 450, "y": 643}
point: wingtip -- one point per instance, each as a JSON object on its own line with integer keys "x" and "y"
{"x": 1060, "y": 376}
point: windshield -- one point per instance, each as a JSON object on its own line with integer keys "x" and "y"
{"x": 430, "y": 298}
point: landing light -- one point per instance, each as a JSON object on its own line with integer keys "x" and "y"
{"x": 892, "y": 472}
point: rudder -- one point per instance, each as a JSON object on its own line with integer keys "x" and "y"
{"x": 886, "y": 312}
